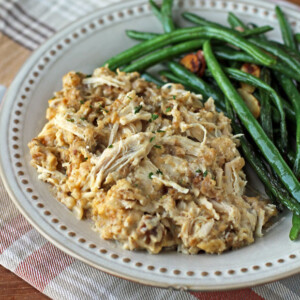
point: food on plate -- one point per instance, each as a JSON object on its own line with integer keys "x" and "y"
{"x": 152, "y": 167}
{"x": 156, "y": 165}
{"x": 268, "y": 118}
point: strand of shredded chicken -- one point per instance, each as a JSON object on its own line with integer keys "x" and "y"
{"x": 152, "y": 167}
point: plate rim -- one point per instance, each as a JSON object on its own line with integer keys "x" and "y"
{"x": 8, "y": 184}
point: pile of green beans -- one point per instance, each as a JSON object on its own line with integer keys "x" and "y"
{"x": 286, "y": 31}
{"x": 186, "y": 34}
{"x": 276, "y": 158}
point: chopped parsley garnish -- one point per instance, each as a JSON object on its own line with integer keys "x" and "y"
{"x": 198, "y": 171}
{"x": 168, "y": 109}
{"x": 205, "y": 173}
{"x": 152, "y": 139}
{"x": 110, "y": 146}
{"x": 129, "y": 97}
{"x": 136, "y": 185}
{"x": 82, "y": 101}
{"x": 137, "y": 109}
{"x": 174, "y": 97}
{"x": 150, "y": 175}
{"x": 159, "y": 172}
{"x": 91, "y": 106}
{"x": 161, "y": 130}
{"x": 88, "y": 76}
{"x": 154, "y": 117}
{"x": 70, "y": 120}
{"x": 157, "y": 146}
{"x": 102, "y": 108}
{"x": 169, "y": 86}
{"x": 83, "y": 119}
{"x": 86, "y": 158}
{"x": 78, "y": 73}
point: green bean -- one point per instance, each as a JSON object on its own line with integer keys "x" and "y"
{"x": 166, "y": 13}
{"x": 271, "y": 184}
{"x": 185, "y": 34}
{"x": 156, "y": 10}
{"x": 297, "y": 37}
{"x": 235, "y": 64}
{"x": 199, "y": 20}
{"x": 291, "y": 156}
{"x": 235, "y": 22}
{"x": 275, "y": 115}
{"x": 228, "y": 53}
{"x": 252, "y": 80}
{"x": 256, "y": 31}
{"x": 202, "y": 22}
{"x": 291, "y": 52}
{"x": 295, "y": 230}
{"x": 194, "y": 88}
{"x": 173, "y": 78}
{"x": 163, "y": 54}
{"x": 141, "y": 36}
{"x": 197, "y": 83}
{"x": 286, "y": 31}
{"x": 262, "y": 36}
{"x": 251, "y": 24}
{"x": 292, "y": 93}
{"x": 151, "y": 78}
{"x": 270, "y": 152}
{"x": 293, "y": 63}
{"x": 290, "y": 112}
{"x": 266, "y": 110}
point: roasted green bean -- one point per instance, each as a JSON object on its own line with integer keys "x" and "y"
{"x": 294, "y": 96}
{"x": 286, "y": 31}
{"x": 141, "y": 36}
{"x": 151, "y": 78}
{"x": 235, "y": 22}
{"x": 295, "y": 230}
{"x": 185, "y": 34}
{"x": 163, "y": 54}
{"x": 156, "y": 10}
{"x": 266, "y": 110}
{"x": 166, "y": 13}
{"x": 202, "y": 22}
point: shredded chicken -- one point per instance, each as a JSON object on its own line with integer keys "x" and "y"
{"x": 153, "y": 168}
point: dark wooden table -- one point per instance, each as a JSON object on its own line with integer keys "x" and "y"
{"x": 11, "y": 286}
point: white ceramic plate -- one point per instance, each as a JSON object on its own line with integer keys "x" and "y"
{"x": 83, "y": 46}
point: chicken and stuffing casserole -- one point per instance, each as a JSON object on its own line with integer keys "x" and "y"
{"x": 152, "y": 167}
